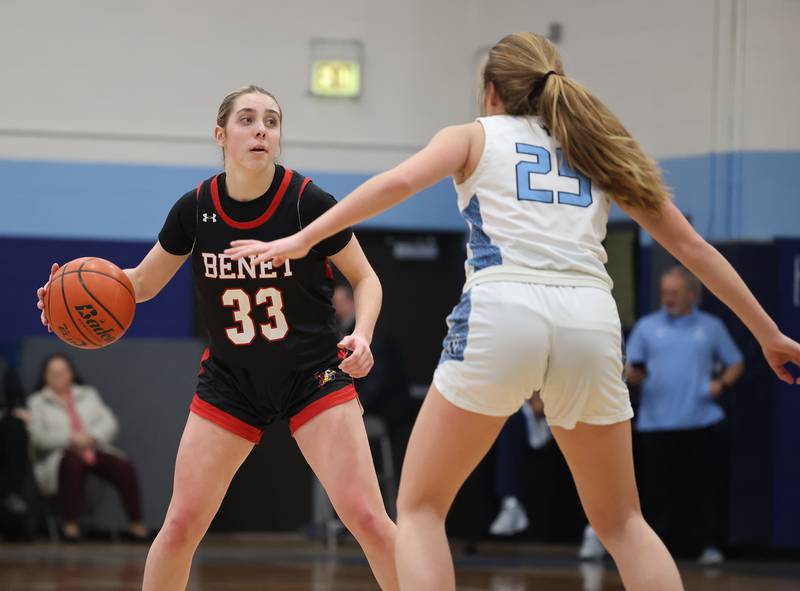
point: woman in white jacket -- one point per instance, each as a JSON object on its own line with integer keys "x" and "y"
{"x": 71, "y": 430}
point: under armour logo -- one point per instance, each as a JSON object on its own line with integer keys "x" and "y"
{"x": 212, "y": 217}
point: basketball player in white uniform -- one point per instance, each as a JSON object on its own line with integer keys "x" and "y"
{"x": 535, "y": 180}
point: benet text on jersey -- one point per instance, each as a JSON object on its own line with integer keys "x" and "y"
{"x": 221, "y": 266}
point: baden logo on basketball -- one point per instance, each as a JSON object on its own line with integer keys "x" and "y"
{"x": 90, "y": 303}
{"x": 87, "y": 313}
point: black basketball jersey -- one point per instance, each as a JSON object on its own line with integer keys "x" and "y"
{"x": 278, "y": 319}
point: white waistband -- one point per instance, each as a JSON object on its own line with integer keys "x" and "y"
{"x": 526, "y": 275}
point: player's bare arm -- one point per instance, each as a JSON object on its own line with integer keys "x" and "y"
{"x": 673, "y": 231}
{"x": 368, "y": 295}
{"x": 447, "y": 154}
{"x": 154, "y": 272}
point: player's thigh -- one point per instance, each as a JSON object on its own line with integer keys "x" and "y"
{"x": 335, "y": 445}
{"x": 208, "y": 457}
{"x": 600, "y": 458}
{"x": 446, "y": 444}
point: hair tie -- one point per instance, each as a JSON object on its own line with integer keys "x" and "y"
{"x": 538, "y": 86}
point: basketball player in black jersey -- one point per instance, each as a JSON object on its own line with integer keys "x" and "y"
{"x": 275, "y": 351}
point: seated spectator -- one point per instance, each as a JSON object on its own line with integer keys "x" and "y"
{"x": 14, "y": 466}
{"x": 71, "y": 430}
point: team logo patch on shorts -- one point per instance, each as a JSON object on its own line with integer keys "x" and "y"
{"x": 323, "y": 377}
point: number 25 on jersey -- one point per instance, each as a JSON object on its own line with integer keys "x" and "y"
{"x": 563, "y": 183}
{"x": 238, "y": 299}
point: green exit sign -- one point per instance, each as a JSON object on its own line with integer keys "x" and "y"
{"x": 335, "y": 78}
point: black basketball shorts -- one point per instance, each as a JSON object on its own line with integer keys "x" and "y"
{"x": 245, "y": 401}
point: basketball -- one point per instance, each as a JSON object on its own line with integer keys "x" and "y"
{"x": 89, "y": 303}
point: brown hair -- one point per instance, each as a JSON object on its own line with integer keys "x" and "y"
{"x": 528, "y": 75}
{"x": 226, "y": 108}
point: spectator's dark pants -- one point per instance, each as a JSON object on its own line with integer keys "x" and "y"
{"x": 682, "y": 477}
{"x": 512, "y": 444}
{"x": 13, "y": 455}
{"x": 118, "y": 471}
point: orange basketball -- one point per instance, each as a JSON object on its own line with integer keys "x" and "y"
{"x": 89, "y": 303}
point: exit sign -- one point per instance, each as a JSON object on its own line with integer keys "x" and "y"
{"x": 335, "y": 78}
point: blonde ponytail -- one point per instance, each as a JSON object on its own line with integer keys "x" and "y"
{"x": 528, "y": 75}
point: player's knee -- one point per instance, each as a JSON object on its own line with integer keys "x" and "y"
{"x": 364, "y": 521}
{"x": 410, "y": 502}
{"x": 612, "y": 529}
{"x": 181, "y": 530}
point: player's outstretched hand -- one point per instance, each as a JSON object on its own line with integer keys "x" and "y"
{"x": 783, "y": 351}
{"x": 277, "y": 251}
{"x": 41, "y": 293}
{"x": 360, "y": 361}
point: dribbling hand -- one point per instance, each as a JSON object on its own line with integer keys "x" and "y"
{"x": 277, "y": 251}
{"x": 41, "y": 293}
{"x": 360, "y": 361}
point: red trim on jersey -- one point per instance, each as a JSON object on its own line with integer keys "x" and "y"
{"x": 276, "y": 201}
{"x": 303, "y": 188}
{"x": 206, "y": 355}
{"x": 319, "y": 406}
{"x": 222, "y": 419}
{"x": 197, "y": 193}
{"x": 328, "y": 269}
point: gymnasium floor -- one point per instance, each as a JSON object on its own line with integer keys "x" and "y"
{"x": 290, "y": 563}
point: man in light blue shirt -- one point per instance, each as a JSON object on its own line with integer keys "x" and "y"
{"x": 673, "y": 354}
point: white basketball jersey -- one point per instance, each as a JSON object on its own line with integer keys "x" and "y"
{"x": 531, "y": 217}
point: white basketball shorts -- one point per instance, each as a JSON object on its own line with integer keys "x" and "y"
{"x": 507, "y": 340}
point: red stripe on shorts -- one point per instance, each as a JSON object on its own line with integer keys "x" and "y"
{"x": 319, "y": 406}
{"x": 222, "y": 419}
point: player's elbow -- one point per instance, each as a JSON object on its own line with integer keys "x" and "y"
{"x": 398, "y": 183}
{"x": 692, "y": 249}
{"x": 369, "y": 279}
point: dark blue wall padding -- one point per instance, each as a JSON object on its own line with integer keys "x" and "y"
{"x": 25, "y": 265}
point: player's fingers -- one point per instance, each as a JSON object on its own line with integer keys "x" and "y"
{"x": 351, "y": 363}
{"x": 239, "y": 252}
{"x": 783, "y": 374}
{"x": 356, "y": 372}
{"x": 363, "y": 369}
{"x": 264, "y": 257}
{"x": 360, "y": 362}
{"x": 45, "y": 323}
{"x": 245, "y": 242}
